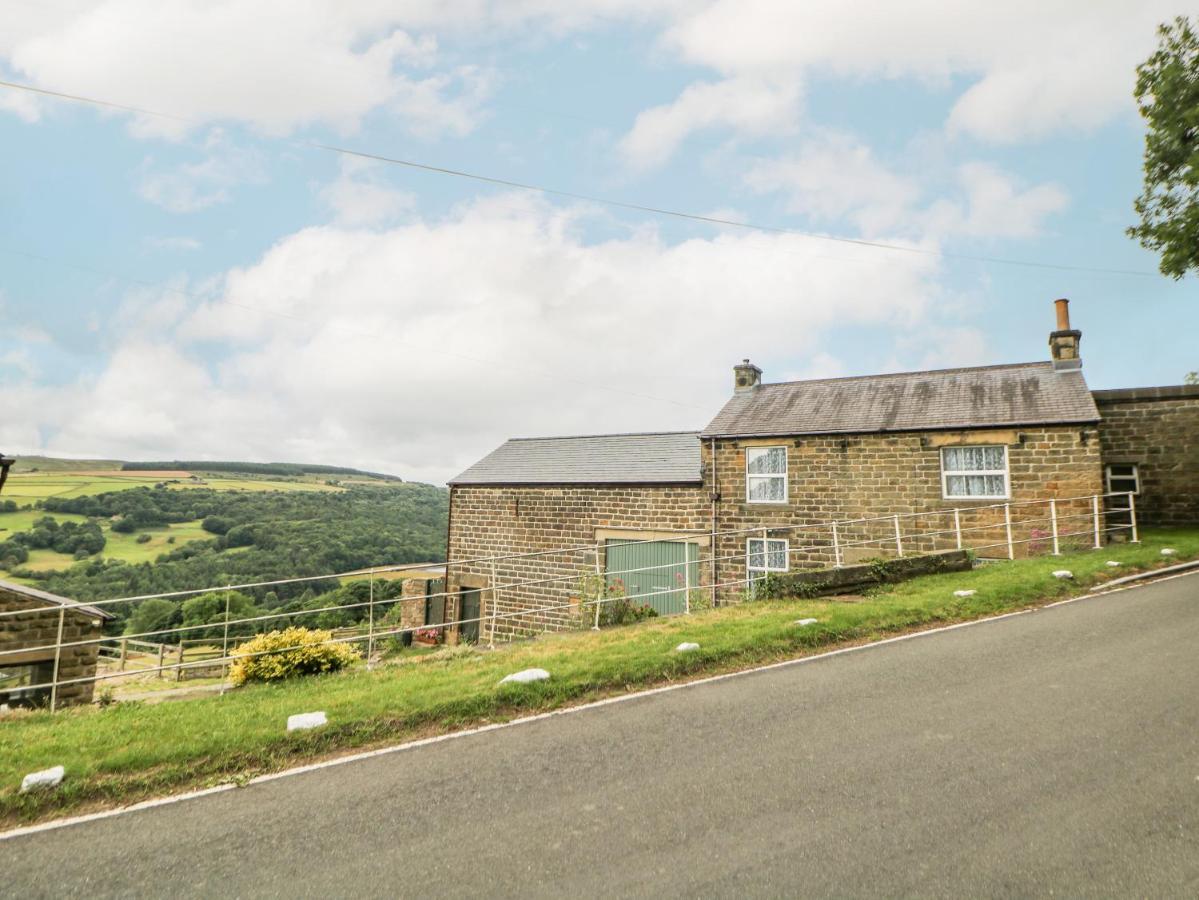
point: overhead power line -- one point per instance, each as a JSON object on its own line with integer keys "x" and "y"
{"x": 606, "y": 201}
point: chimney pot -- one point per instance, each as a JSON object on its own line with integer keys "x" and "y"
{"x": 746, "y": 376}
{"x": 1063, "y": 314}
{"x": 1064, "y": 341}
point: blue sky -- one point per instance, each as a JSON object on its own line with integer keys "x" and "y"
{"x": 210, "y": 284}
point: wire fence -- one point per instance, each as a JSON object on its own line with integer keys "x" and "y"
{"x": 552, "y": 589}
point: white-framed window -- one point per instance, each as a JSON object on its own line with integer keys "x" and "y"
{"x": 766, "y": 475}
{"x": 763, "y": 556}
{"x": 974, "y": 473}
{"x": 1122, "y": 478}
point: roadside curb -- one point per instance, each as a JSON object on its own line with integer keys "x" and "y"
{"x": 1143, "y": 576}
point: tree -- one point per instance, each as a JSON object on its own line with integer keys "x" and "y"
{"x": 1191, "y": 378}
{"x": 209, "y": 609}
{"x": 1167, "y": 94}
{"x": 152, "y": 617}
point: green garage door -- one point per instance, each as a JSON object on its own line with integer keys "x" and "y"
{"x": 654, "y": 572}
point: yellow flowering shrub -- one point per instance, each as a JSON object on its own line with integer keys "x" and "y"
{"x": 287, "y": 653}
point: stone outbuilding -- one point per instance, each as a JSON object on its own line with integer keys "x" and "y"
{"x": 27, "y": 647}
{"x": 1001, "y": 459}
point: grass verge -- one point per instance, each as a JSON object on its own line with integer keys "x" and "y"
{"x": 133, "y": 751}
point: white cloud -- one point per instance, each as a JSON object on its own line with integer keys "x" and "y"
{"x": 1034, "y": 68}
{"x": 995, "y": 205}
{"x": 747, "y": 105}
{"x": 360, "y": 197}
{"x": 833, "y": 177}
{"x": 277, "y": 65}
{"x": 419, "y": 348}
{"x": 191, "y": 187}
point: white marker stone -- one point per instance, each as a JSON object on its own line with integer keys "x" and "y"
{"x": 1063, "y": 573}
{"x": 525, "y": 676}
{"x": 1168, "y": 551}
{"x": 47, "y": 778}
{"x": 1111, "y": 563}
{"x": 970, "y": 593}
{"x": 306, "y": 720}
{"x": 686, "y": 647}
{"x": 806, "y": 621}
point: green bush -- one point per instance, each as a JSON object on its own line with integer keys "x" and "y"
{"x": 288, "y": 653}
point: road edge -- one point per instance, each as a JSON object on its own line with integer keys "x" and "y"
{"x": 1127, "y": 583}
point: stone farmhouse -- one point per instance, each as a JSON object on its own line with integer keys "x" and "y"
{"x": 696, "y": 517}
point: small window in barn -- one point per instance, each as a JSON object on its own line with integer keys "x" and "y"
{"x": 766, "y": 475}
{"x": 764, "y": 557}
{"x": 1123, "y": 478}
{"x": 26, "y": 685}
{"x": 974, "y": 473}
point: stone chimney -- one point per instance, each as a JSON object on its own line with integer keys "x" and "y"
{"x": 746, "y": 376}
{"x": 1064, "y": 342}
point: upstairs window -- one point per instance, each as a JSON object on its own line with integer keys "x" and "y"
{"x": 974, "y": 473}
{"x": 764, "y": 556}
{"x": 1123, "y": 478}
{"x": 766, "y": 475}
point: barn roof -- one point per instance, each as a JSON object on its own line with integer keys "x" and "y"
{"x": 657, "y": 458}
{"x": 49, "y": 599}
{"x": 980, "y": 397}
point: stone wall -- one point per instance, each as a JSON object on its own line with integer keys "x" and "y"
{"x": 843, "y": 477}
{"x": 514, "y": 520}
{"x": 19, "y": 635}
{"x": 1158, "y": 429}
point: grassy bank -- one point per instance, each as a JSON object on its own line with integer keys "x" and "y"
{"x": 131, "y": 751}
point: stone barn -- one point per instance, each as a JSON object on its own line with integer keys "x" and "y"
{"x": 28, "y": 661}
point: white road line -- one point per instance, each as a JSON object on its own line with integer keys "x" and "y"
{"x": 525, "y": 720}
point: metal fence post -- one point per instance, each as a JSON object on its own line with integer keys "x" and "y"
{"x": 495, "y": 596}
{"x": 225, "y": 643}
{"x": 1007, "y": 522}
{"x": 1132, "y": 517}
{"x": 686, "y": 578}
{"x": 370, "y": 623}
{"x": 898, "y": 539}
{"x": 1095, "y": 512}
{"x": 836, "y": 547}
{"x": 957, "y": 525}
{"x": 62, "y": 615}
{"x": 1053, "y": 521}
{"x": 600, "y": 587}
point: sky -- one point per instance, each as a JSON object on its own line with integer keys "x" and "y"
{"x": 211, "y": 276}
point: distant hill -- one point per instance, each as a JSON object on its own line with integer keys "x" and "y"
{"x": 252, "y": 468}
{"x": 25, "y": 464}
{"x": 57, "y": 464}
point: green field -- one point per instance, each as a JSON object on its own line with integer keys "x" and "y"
{"x": 124, "y": 547}
{"x": 22, "y": 520}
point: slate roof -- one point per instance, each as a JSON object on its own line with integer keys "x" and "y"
{"x": 986, "y": 396}
{"x": 53, "y": 600}
{"x": 660, "y": 458}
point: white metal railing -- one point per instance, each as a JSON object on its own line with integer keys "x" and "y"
{"x": 831, "y": 538}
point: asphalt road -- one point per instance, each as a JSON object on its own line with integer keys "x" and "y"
{"x": 1053, "y": 752}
